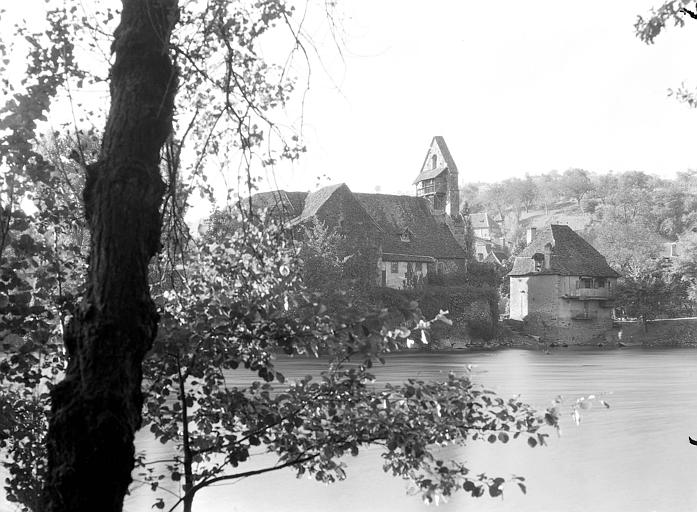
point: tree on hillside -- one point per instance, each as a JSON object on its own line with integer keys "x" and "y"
{"x": 470, "y": 193}
{"x": 630, "y": 199}
{"x": 653, "y": 294}
{"x": 521, "y": 193}
{"x": 512, "y": 190}
{"x": 495, "y": 198}
{"x": 547, "y": 186}
{"x": 685, "y": 265}
{"x": 630, "y": 248}
{"x": 575, "y": 183}
{"x": 603, "y": 186}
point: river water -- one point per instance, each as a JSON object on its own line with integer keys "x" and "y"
{"x": 634, "y": 456}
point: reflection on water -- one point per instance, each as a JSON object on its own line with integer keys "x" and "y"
{"x": 632, "y": 457}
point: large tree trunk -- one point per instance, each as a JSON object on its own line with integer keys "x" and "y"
{"x": 96, "y": 409}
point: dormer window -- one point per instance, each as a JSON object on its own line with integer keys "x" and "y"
{"x": 434, "y": 161}
{"x": 406, "y": 235}
{"x": 539, "y": 260}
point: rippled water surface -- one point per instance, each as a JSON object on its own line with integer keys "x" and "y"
{"x": 634, "y": 456}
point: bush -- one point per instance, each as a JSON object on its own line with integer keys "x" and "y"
{"x": 473, "y": 309}
{"x": 477, "y": 274}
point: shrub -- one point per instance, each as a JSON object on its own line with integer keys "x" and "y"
{"x": 473, "y": 309}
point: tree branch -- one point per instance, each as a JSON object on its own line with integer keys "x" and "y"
{"x": 211, "y": 481}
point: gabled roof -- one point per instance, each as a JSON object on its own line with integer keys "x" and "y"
{"x": 315, "y": 200}
{"x": 571, "y": 255}
{"x": 439, "y": 141}
{"x": 288, "y": 204}
{"x": 393, "y": 214}
{"x": 495, "y": 257}
{"x": 443, "y": 147}
{"x": 390, "y": 216}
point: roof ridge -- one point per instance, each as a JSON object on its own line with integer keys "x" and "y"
{"x": 571, "y": 254}
{"x": 439, "y": 141}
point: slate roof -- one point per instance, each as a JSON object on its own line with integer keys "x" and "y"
{"x": 288, "y": 204}
{"x": 315, "y": 200}
{"x": 393, "y": 214}
{"x": 571, "y": 255}
{"x": 449, "y": 162}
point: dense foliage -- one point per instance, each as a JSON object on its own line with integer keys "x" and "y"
{"x": 473, "y": 310}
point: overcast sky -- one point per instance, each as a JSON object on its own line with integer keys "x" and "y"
{"x": 514, "y": 87}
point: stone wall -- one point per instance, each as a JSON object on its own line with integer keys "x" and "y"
{"x": 677, "y": 332}
{"x": 538, "y": 302}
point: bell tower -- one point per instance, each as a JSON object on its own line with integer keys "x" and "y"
{"x": 438, "y": 179}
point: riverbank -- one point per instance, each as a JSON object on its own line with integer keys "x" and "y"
{"x": 670, "y": 332}
{"x": 673, "y": 332}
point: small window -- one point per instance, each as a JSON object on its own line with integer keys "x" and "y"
{"x": 585, "y": 282}
{"x": 394, "y": 267}
{"x": 480, "y": 256}
{"x": 434, "y": 161}
{"x": 418, "y": 266}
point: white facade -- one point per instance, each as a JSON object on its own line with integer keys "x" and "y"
{"x": 394, "y": 273}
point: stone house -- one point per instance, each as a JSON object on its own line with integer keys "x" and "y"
{"x": 408, "y": 240}
{"x": 562, "y": 288}
{"x": 485, "y": 227}
{"x": 414, "y": 242}
{"x": 489, "y": 244}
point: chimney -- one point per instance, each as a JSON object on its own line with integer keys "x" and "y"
{"x": 529, "y": 235}
{"x": 548, "y": 256}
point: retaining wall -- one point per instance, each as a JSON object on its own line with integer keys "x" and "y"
{"x": 673, "y": 332}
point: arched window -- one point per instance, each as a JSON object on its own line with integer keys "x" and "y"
{"x": 434, "y": 161}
